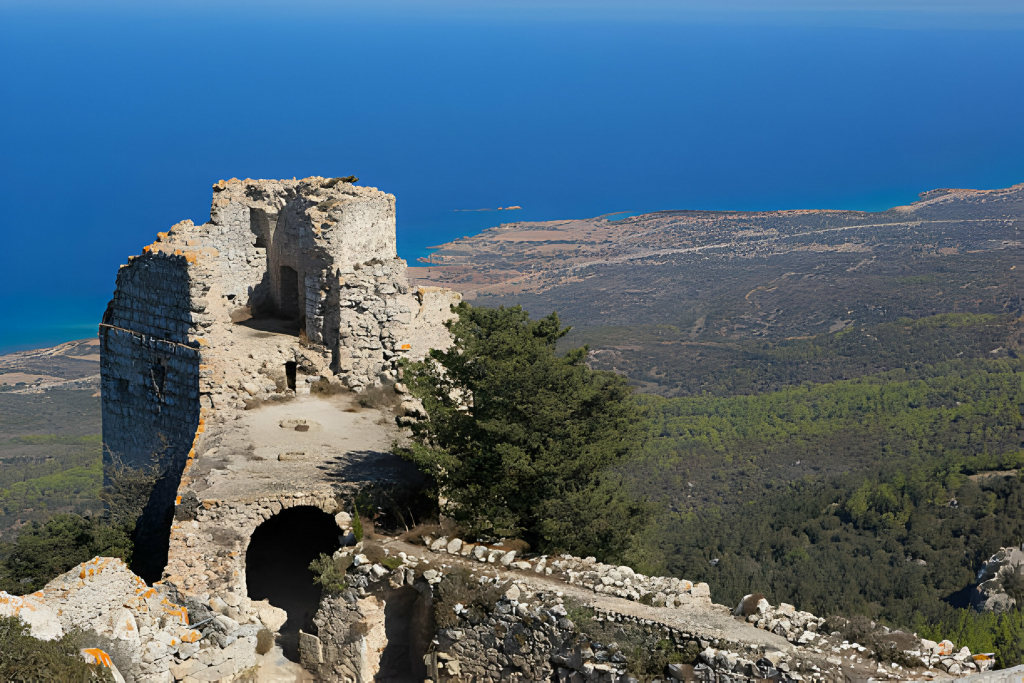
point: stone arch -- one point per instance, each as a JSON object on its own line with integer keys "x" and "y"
{"x": 277, "y": 567}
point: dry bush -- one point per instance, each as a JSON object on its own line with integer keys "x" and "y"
{"x": 449, "y": 529}
{"x": 374, "y": 552}
{"x": 367, "y": 528}
{"x": 459, "y": 587}
{"x": 254, "y": 403}
{"x": 264, "y": 641}
{"x": 382, "y": 397}
{"x": 415, "y": 535}
{"x": 883, "y": 644}
{"x": 325, "y": 387}
{"x": 517, "y": 544}
{"x": 128, "y": 488}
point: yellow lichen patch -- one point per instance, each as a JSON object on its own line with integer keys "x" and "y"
{"x": 191, "y": 637}
{"x": 191, "y": 257}
{"x": 202, "y": 342}
{"x": 161, "y": 236}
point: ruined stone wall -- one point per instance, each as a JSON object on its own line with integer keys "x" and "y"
{"x": 209, "y": 541}
{"x": 150, "y": 386}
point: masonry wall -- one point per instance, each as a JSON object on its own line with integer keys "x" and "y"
{"x": 150, "y": 384}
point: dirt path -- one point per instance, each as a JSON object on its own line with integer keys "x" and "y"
{"x": 710, "y": 622}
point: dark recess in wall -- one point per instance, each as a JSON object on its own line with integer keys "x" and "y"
{"x": 277, "y": 567}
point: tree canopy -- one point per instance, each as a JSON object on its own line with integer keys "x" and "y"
{"x": 522, "y": 442}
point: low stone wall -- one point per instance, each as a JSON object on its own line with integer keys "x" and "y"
{"x": 619, "y": 581}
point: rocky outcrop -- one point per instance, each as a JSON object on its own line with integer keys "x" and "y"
{"x": 989, "y": 592}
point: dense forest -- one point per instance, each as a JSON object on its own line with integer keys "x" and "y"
{"x": 879, "y": 495}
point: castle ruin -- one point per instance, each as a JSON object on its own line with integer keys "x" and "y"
{"x": 231, "y": 356}
{"x": 291, "y": 285}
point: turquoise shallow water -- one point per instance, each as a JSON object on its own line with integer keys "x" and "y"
{"x": 33, "y": 323}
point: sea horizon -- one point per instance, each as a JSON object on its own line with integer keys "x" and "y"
{"x": 43, "y": 321}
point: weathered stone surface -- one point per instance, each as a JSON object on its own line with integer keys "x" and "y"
{"x": 33, "y": 610}
{"x": 271, "y": 617}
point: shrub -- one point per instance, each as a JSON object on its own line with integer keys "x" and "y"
{"x": 128, "y": 489}
{"x": 374, "y": 552}
{"x": 327, "y": 576}
{"x": 44, "y": 551}
{"x": 458, "y": 587}
{"x": 357, "y": 524}
{"x": 517, "y": 544}
{"x": 264, "y": 641}
{"x": 24, "y": 658}
{"x": 383, "y": 396}
{"x": 416, "y": 534}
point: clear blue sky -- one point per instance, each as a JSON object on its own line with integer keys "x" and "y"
{"x": 115, "y": 119}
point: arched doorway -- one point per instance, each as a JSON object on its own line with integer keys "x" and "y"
{"x": 277, "y": 567}
{"x": 290, "y": 294}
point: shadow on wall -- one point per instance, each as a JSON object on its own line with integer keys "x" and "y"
{"x": 409, "y": 627}
{"x": 277, "y": 567}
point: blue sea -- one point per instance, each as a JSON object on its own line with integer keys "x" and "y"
{"x": 115, "y": 120}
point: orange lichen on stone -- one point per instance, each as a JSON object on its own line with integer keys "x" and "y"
{"x": 94, "y": 655}
{"x": 146, "y": 248}
{"x": 173, "y": 610}
{"x": 161, "y": 236}
{"x": 406, "y": 347}
{"x": 177, "y": 500}
{"x": 191, "y": 637}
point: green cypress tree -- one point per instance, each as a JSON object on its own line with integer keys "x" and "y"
{"x": 523, "y": 442}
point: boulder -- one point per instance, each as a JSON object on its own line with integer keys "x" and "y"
{"x": 748, "y": 605}
{"x": 701, "y": 590}
{"x": 271, "y": 617}
{"x": 218, "y": 605}
{"x": 681, "y": 672}
{"x": 988, "y": 593}
{"x": 454, "y": 546}
{"x": 42, "y": 621}
{"x": 343, "y": 520}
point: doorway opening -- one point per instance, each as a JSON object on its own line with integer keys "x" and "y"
{"x": 290, "y": 371}
{"x": 409, "y": 626}
{"x": 277, "y": 568}
{"x": 289, "y": 294}
{"x": 259, "y": 224}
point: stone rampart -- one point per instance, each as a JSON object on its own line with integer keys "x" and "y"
{"x": 150, "y": 366}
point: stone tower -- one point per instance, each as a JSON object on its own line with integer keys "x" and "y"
{"x": 290, "y": 282}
